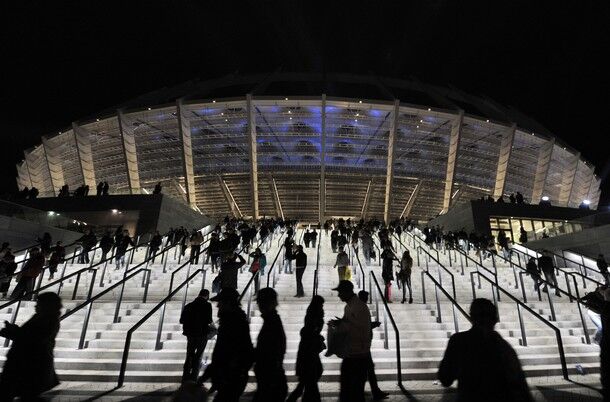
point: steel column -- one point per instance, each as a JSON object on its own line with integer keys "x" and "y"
{"x": 54, "y": 165}
{"x": 229, "y": 197}
{"x": 184, "y": 129}
{"x": 365, "y": 204}
{"x": 390, "y": 166}
{"x": 322, "y": 212}
{"x": 85, "y": 155}
{"x": 128, "y": 142}
{"x": 253, "y": 155}
{"x": 542, "y": 170}
{"x": 454, "y": 145}
{"x": 506, "y": 146}
{"x": 411, "y": 201}
{"x": 567, "y": 182}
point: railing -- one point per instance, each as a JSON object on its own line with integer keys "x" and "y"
{"x": 387, "y": 313}
{"x": 363, "y": 283}
{"x": 127, "y": 276}
{"x": 315, "y": 273}
{"x": 484, "y": 268}
{"x": 439, "y": 266}
{"x": 454, "y": 303}
{"x": 271, "y": 271}
{"x": 158, "y": 344}
{"x": 520, "y": 306}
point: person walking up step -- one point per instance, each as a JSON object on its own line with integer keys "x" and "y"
{"x": 195, "y": 319}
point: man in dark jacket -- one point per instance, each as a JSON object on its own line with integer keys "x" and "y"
{"x": 301, "y": 263}
{"x": 88, "y": 241}
{"x": 30, "y": 271}
{"x": 106, "y": 243}
{"x": 29, "y": 369}
{"x": 602, "y": 265}
{"x": 485, "y": 365}
{"x": 155, "y": 244}
{"x": 270, "y": 350}
{"x": 121, "y": 248}
{"x": 545, "y": 263}
{"x": 233, "y": 353}
{"x": 195, "y": 319}
{"x": 229, "y": 269}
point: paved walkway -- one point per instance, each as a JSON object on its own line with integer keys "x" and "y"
{"x": 582, "y": 388}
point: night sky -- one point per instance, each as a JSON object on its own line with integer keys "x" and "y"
{"x": 61, "y": 61}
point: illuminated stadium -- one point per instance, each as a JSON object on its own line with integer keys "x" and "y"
{"x": 311, "y": 147}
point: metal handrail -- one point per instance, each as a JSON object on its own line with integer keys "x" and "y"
{"x": 387, "y": 314}
{"x": 175, "y": 271}
{"x": 129, "y": 273}
{"x": 454, "y": 303}
{"x": 162, "y": 303}
{"x": 315, "y": 273}
{"x": 363, "y": 284}
{"x": 281, "y": 246}
{"x": 439, "y": 265}
{"x": 521, "y": 305}
{"x": 480, "y": 265}
{"x": 422, "y": 244}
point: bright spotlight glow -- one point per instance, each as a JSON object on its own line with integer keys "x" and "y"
{"x": 586, "y": 202}
{"x": 115, "y": 211}
{"x": 545, "y": 198}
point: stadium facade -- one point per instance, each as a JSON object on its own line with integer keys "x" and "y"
{"x": 312, "y": 146}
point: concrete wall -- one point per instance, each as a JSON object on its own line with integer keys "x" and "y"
{"x": 174, "y": 214}
{"x": 589, "y": 242}
{"x": 458, "y": 217}
{"x": 21, "y": 233}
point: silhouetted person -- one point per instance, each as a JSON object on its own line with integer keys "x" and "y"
{"x": 88, "y": 241}
{"x": 602, "y": 265}
{"x": 301, "y": 263}
{"x": 155, "y": 245}
{"x": 356, "y": 325}
{"x": 106, "y": 243}
{"x": 522, "y": 235}
{"x": 534, "y": 272}
{"x": 404, "y": 275}
{"x": 387, "y": 271}
{"x": 378, "y": 394}
{"x": 30, "y": 271}
{"x": 307, "y": 238}
{"x": 8, "y": 266}
{"x": 519, "y": 198}
{"x": 105, "y": 188}
{"x": 29, "y": 369}
{"x": 45, "y": 244}
{"x": 33, "y": 194}
{"x": 157, "y": 189}
{"x": 195, "y": 319}
{"x": 545, "y": 264}
{"x": 308, "y": 366}
{"x": 100, "y": 188}
{"x": 58, "y": 255}
{"x": 512, "y": 198}
{"x": 270, "y": 350}
{"x": 341, "y": 263}
{"x": 485, "y": 365}
{"x": 229, "y": 270}
{"x": 124, "y": 241}
{"x": 233, "y": 353}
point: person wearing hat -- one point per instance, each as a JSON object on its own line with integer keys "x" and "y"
{"x": 196, "y": 318}
{"x": 301, "y": 263}
{"x": 233, "y": 353}
{"x": 356, "y": 324}
{"x": 29, "y": 369}
{"x": 270, "y": 351}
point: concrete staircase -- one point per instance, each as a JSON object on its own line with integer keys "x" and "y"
{"x": 422, "y": 337}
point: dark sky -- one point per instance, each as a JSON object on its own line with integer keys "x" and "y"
{"x": 64, "y": 60}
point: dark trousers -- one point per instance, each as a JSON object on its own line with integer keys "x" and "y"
{"x": 371, "y": 376}
{"x": 354, "y": 372}
{"x": 270, "y": 386}
{"x": 299, "y": 277}
{"x": 308, "y": 388}
{"x": 195, "y": 345}
{"x": 195, "y": 250}
{"x": 25, "y": 285}
{"x": 230, "y": 391}
{"x": 83, "y": 258}
{"x": 552, "y": 279}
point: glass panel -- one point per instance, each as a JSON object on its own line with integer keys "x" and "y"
{"x": 493, "y": 223}
{"x": 503, "y": 223}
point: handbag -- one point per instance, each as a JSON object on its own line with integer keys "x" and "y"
{"x": 254, "y": 267}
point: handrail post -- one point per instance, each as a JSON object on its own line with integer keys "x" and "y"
{"x": 61, "y": 282}
{"x": 13, "y": 319}
{"x": 521, "y": 326}
{"x": 385, "y": 330}
{"x": 76, "y": 286}
{"x": 423, "y": 288}
{"x": 147, "y": 273}
{"x": 551, "y": 306}
{"x": 439, "y": 316}
{"x": 582, "y": 318}
{"x": 103, "y": 274}
{"x": 158, "y": 343}
{"x": 522, "y": 287}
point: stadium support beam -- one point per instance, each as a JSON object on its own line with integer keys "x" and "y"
{"x": 411, "y": 201}
{"x": 35, "y": 179}
{"x": 542, "y": 170}
{"x": 24, "y": 180}
{"x": 253, "y": 155}
{"x": 567, "y": 182}
{"x": 55, "y": 167}
{"x": 365, "y": 204}
{"x": 184, "y": 129}
{"x": 454, "y": 146}
{"x": 128, "y": 141}
{"x": 226, "y": 191}
{"x": 322, "y": 203}
{"x": 85, "y": 154}
{"x": 390, "y": 167}
{"x": 276, "y": 198}
{"x": 506, "y": 146}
